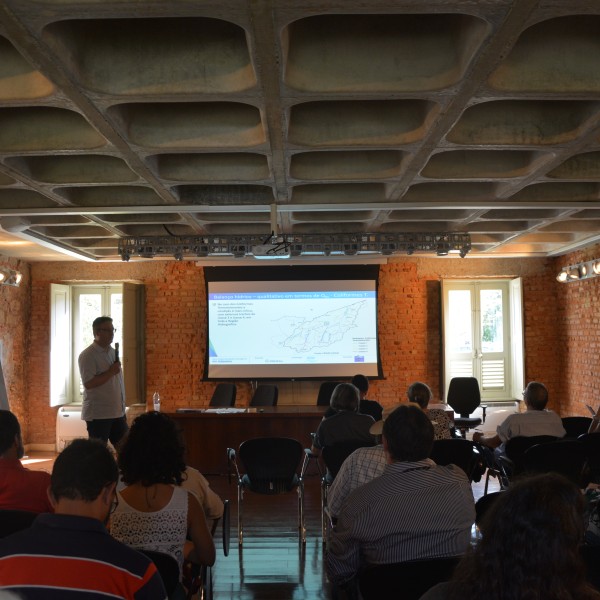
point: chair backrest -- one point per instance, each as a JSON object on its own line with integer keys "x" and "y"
{"x": 265, "y": 395}
{"x": 483, "y": 505}
{"x": 325, "y": 391}
{"x": 168, "y": 568}
{"x": 271, "y": 464}
{"x": 407, "y": 580}
{"x": 224, "y": 395}
{"x": 464, "y": 395}
{"x": 576, "y": 426}
{"x": 516, "y": 447}
{"x": 568, "y": 457}
{"x": 12, "y": 521}
{"x": 591, "y": 443}
{"x": 456, "y": 451}
{"x": 336, "y": 454}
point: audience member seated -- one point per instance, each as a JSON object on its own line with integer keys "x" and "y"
{"x": 536, "y": 420}
{"x": 415, "y": 509}
{"x": 154, "y": 511}
{"x": 345, "y": 424}
{"x": 420, "y": 394}
{"x": 20, "y": 488}
{"x": 211, "y": 503}
{"x": 530, "y": 547}
{"x": 365, "y": 407}
{"x": 69, "y": 554}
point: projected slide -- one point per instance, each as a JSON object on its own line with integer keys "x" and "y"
{"x": 292, "y": 332}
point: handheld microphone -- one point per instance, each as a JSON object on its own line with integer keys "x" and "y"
{"x": 117, "y": 352}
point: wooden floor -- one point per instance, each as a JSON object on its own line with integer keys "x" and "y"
{"x": 272, "y": 564}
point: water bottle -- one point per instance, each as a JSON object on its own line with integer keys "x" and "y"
{"x": 156, "y": 401}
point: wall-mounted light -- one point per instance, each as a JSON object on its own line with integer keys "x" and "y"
{"x": 584, "y": 270}
{"x": 10, "y": 277}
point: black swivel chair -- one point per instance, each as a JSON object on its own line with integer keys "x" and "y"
{"x": 512, "y": 464}
{"x": 568, "y": 457}
{"x": 224, "y": 395}
{"x": 407, "y": 580}
{"x": 265, "y": 395}
{"x": 325, "y": 391}
{"x": 464, "y": 397}
{"x": 460, "y": 452}
{"x": 168, "y": 569}
{"x": 576, "y": 426}
{"x": 12, "y": 521}
{"x": 271, "y": 467}
{"x": 591, "y": 443}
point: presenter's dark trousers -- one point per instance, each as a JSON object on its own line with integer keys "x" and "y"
{"x": 108, "y": 429}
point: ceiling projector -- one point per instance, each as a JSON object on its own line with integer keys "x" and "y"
{"x": 267, "y": 251}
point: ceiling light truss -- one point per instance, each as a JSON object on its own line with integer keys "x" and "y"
{"x": 290, "y": 245}
{"x": 584, "y": 270}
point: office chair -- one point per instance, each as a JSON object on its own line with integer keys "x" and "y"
{"x": 568, "y": 457}
{"x": 12, "y": 521}
{"x": 167, "y": 567}
{"x": 333, "y": 458}
{"x": 511, "y": 465}
{"x": 483, "y": 505}
{"x": 224, "y": 395}
{"x": 460, "y": 452}
{"x": 265, "y": 395}
{"x": 591, "y": 443}
{"x": 197, "y": 579}
{"x": 464, "y": 397}
{"x": 407, "y": 580}
{"x": 576, "y": 426}
{"x": 271, "y": 468}
{"x": 325, "y": 391}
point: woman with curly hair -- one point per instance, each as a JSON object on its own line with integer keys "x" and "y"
{"x": 153, "y": 511}
{"x": 530, "y": 547}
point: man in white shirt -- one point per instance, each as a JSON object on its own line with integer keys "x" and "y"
{"x": 536, "y": 420}
{"x": 104, "y": 390}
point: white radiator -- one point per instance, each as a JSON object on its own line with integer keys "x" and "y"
{"x": 69, "y": 425}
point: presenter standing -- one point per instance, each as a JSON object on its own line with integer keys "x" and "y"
{"x": 104, "y": 389}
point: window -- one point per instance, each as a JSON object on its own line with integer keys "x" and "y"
{"x": 73, "y": 309}
{"x": 483, "y": 335}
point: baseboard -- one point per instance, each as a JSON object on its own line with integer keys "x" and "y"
{"x": 40, "y": 448}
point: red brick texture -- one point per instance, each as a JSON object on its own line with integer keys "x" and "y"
{"x": 561, "y": 330}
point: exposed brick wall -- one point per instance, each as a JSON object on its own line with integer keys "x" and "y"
{"x": 578, "y": 336}
{"x": 409, "y": 330}
{"x": 15, "y": 308}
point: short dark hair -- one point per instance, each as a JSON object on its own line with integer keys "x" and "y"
{"x": 345, "y": 396}
{"x": 153, "y": 451}
{"x": 100, "y": 321}
{"x": 9, "y": 428}
{"x": 361, "y": 382}
{"x": 536, "y": 395}
{"x": 408, "y": 433}
{"x": 420, "y": 393}
{"x": 82, "y": 470}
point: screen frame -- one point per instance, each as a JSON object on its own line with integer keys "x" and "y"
{"x": 289, "y": 273}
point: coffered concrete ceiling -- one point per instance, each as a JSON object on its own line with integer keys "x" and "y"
{"x": 151, "y": 118}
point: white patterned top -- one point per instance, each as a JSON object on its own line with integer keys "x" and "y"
{"x": 163, "y": 531}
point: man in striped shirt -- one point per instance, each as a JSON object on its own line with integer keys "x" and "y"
{"x": 415, "y": 509}
{"x": 69, "y": 555}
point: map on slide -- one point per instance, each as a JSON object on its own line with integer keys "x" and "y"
{"x": 321, "y": 331}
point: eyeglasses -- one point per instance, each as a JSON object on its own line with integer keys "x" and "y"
{"x": 114, "y": 504}
{"x": 107, "y": 330}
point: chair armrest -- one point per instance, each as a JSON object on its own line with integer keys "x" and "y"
{"x": 232, "y": 464}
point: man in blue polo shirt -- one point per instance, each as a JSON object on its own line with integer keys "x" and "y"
{"x": 69, "y": 555}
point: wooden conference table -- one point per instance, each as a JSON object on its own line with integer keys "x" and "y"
{"x": 209, "y": 432}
